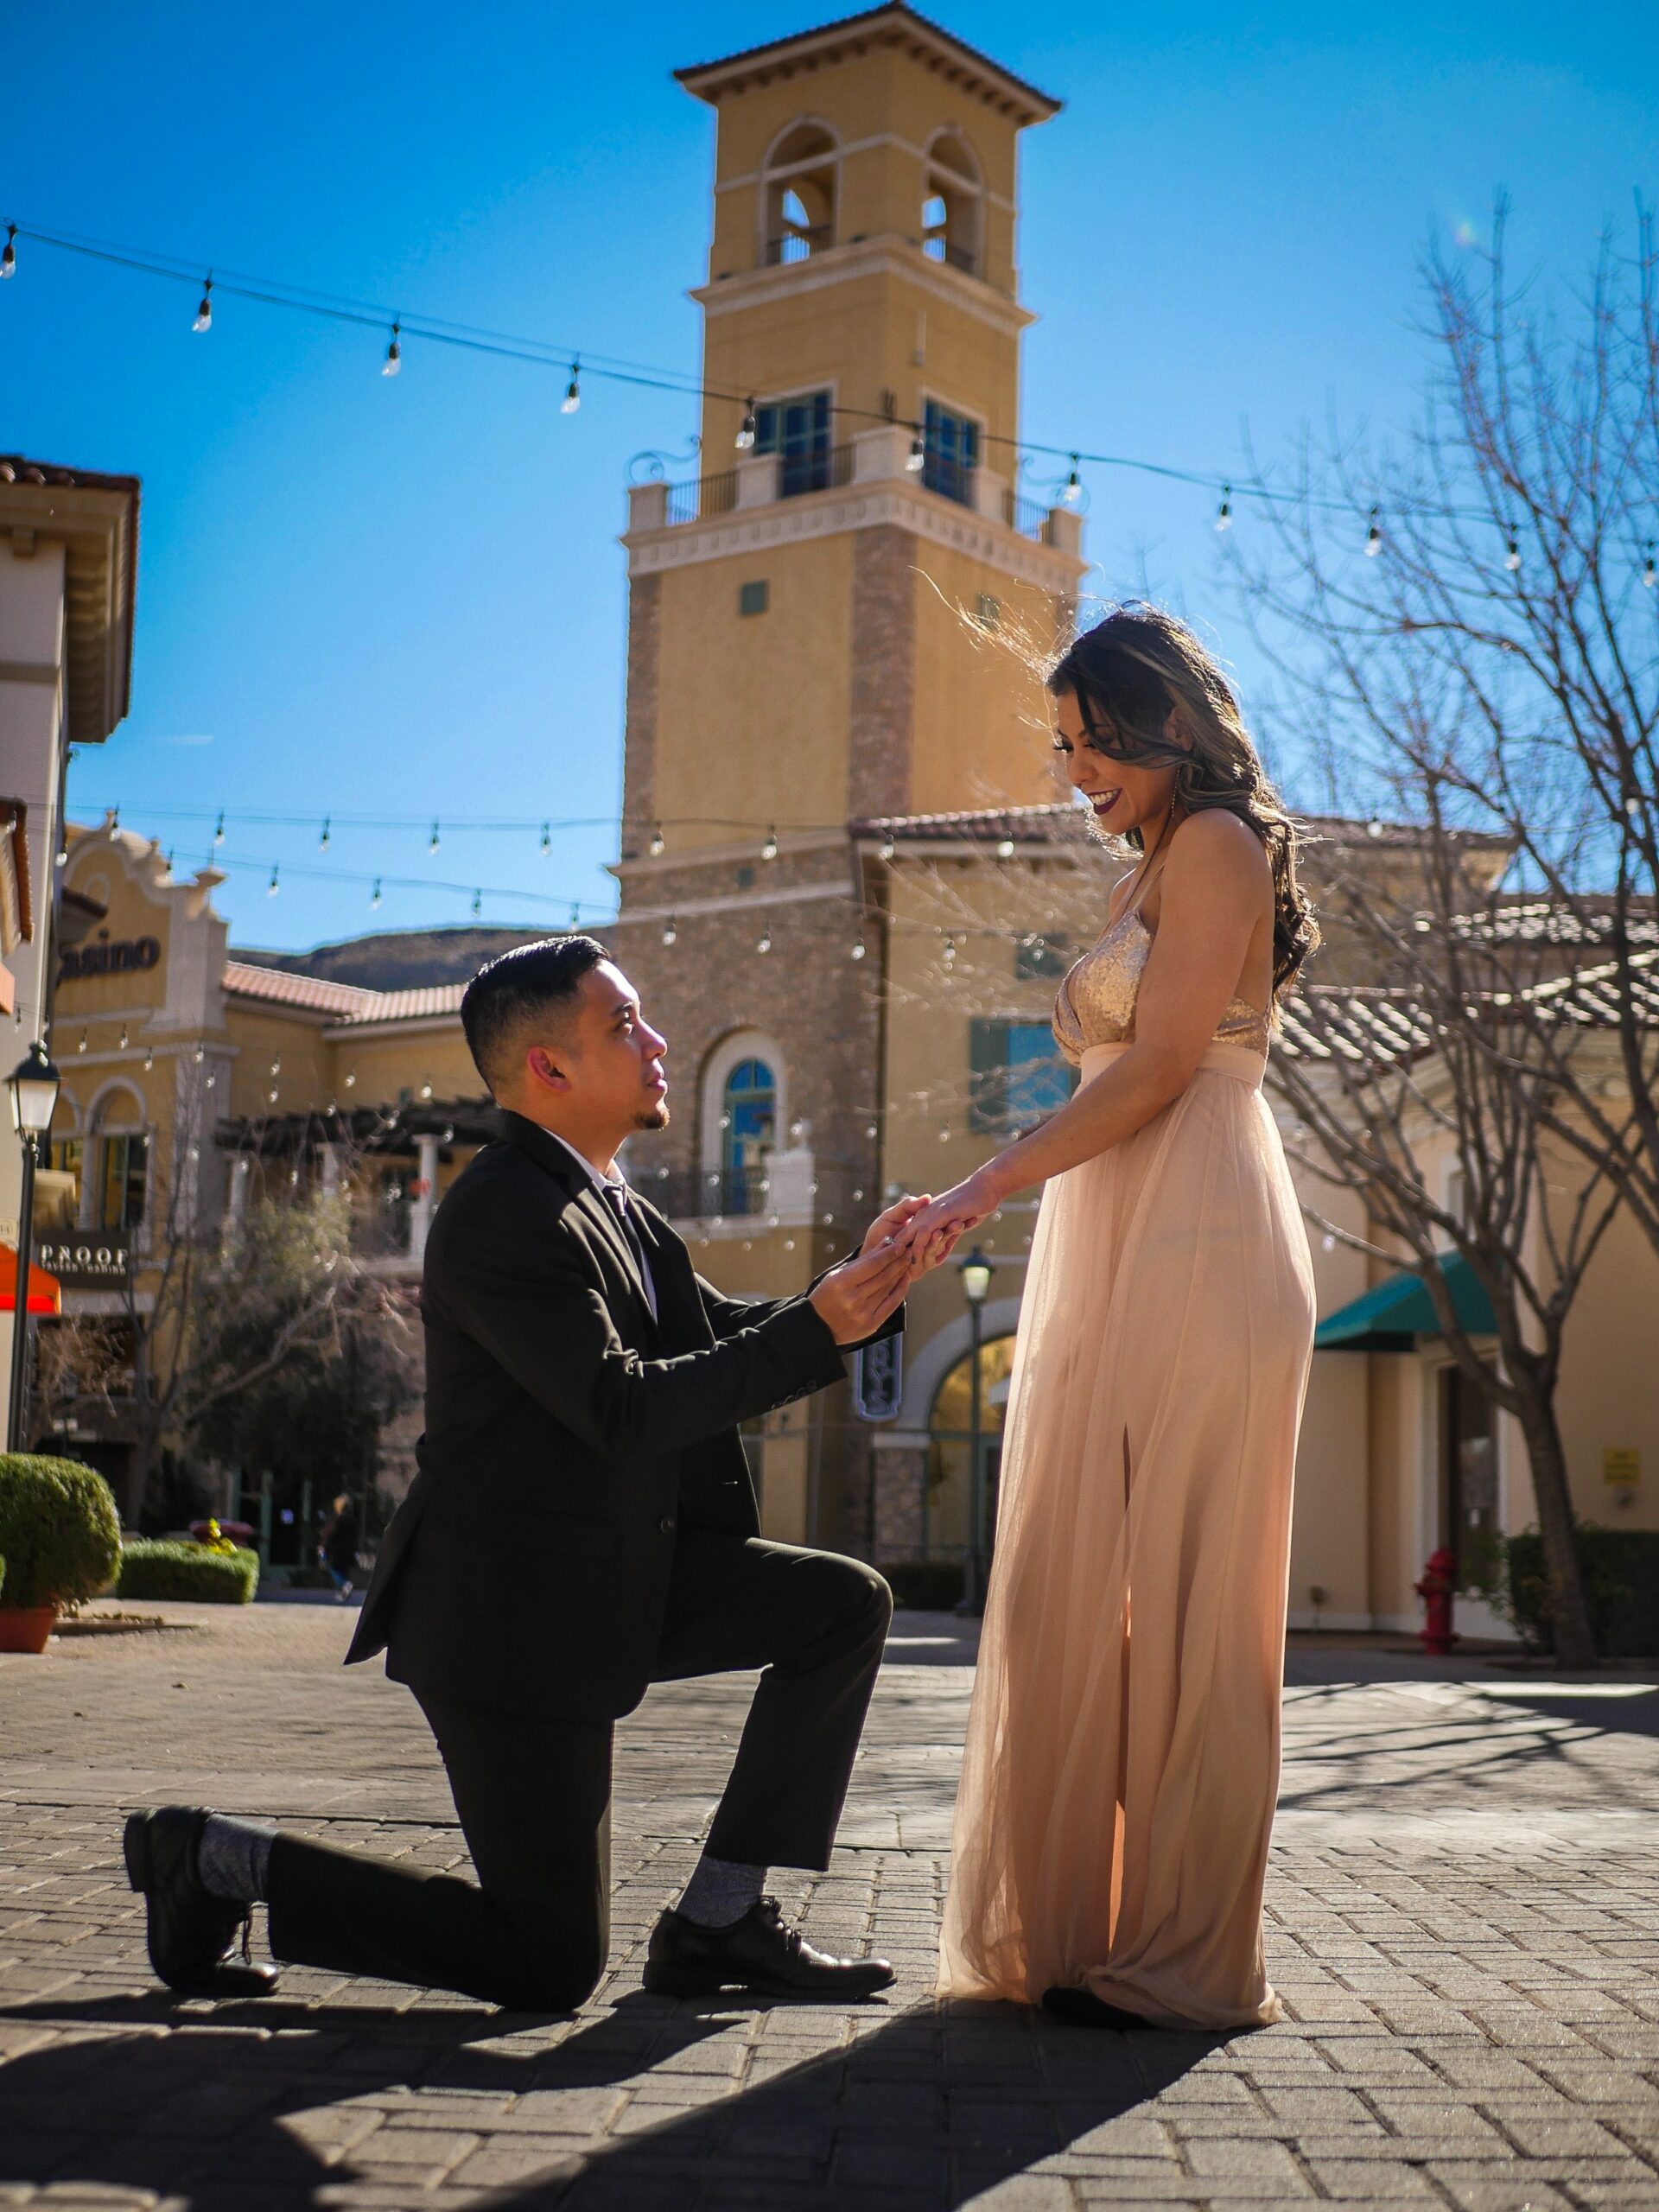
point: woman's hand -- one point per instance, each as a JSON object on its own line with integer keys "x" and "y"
{"x": 932, "y": 1234}
{"x": 886, "y": 1226}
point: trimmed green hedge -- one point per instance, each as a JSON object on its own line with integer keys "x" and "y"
{"x": 151, "y": 1567}
{"x": 1620, "y": 1568}
{"x": 60, "y": 1532}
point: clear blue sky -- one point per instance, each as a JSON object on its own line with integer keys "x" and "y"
{"x": 404, "y": 597}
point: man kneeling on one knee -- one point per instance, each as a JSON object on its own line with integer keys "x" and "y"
{"x": 582, "y": 1525}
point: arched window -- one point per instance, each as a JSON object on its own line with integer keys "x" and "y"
{"x": 748, "y": 1133}
{"x": 798, "y": 195}
{"x": 952, "y": 1496}
{"x": 952, "y": 205}
{"x": 120, "y": 1163}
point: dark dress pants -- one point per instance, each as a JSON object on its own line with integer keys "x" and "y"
{"x": 533, "y": 1795}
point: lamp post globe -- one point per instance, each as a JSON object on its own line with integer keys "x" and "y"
{"x": 34, "y": 1084}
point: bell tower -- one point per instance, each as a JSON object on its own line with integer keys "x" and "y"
{"x": 809, "y": 621}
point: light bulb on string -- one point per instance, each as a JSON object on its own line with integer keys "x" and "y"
{"x": 205, "y": 312}
{"x": 1511, "y": 554}
{"x": 432, "y": 842}
{"x": 1005, "y": 848}
{"x": 858, "y": 947}
{"x": 123, "y": 1045}
{"x": 1373, "y": 538}
{"x": 764, "y": 943}
{"x": 8, "y": 256}
{"x": 322, "y": 842}
{"x": 886, "y": 849}
{"x": 769, "y": 850}
{"x": 1073, "y": 490}
{"x": 374, "y": 896}
{"x": 1224, "y": 511}
{"x": 669, "y": 932}
{"x": 576, "y": 914}
{"x": 546, "y": 839}
{"x": 1649, "y": 574}
{"x": 149, "y": 1058}
{"x": 478, "y": 904}
{"x": 950, "y": 951}
{"x": 748, "y": 430}
{"x": 218, "y": 829}
{"x": 916, "y": 459}
{"x": 1632, "y": 806}
{"x": 572, "y": 399}
{"x": 273, "y": 887}
{"x": 655, "y": 847}
{"x": 394, "y": 360}
{"x": 351, "y": 1078}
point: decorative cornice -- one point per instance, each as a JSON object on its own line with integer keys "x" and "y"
{"x": 888, "y": 256}
{"x": 826, "y": 514}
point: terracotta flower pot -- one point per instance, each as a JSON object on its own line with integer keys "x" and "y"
{"x": 25, "y": 1628}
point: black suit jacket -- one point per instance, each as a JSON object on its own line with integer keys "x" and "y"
{"x": 569, "y": 1436}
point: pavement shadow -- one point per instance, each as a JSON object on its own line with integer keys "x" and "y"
{"x": 931, "y": 2106}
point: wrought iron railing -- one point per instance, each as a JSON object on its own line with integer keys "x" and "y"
{"x": 702, "y": 497}
{"x": 798, "y": 245}
{"x": 1028, "y": 517}
{"x": 949, "y": 478}
{"x": 827, "y": 470}
{"x": 837, "y": 1199}
{"x": 958, "y": 256}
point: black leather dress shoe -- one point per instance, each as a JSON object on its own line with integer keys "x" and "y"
{"x": 190, "y": 1930}
{"x": 758, "y": 1953}
{"x": 1081, "y": 2008}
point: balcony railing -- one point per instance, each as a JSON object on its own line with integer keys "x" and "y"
{"x": 701, "y": 1194}
{"x": 702, "y": 497}
{"x": 955, "y": 257}
{"x": 798, "y": 245}
{"x": 949, "y": 478}
{"x": 797, "y": 1194}
{"x": 827, "y": 470}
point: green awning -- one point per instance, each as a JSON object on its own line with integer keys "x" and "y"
{"x": 1398, "y": 1313}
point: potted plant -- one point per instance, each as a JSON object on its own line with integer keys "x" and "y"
{"x": 61, "y": 1538}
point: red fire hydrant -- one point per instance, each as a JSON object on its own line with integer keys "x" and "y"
{"x": 1437, "y": 1589}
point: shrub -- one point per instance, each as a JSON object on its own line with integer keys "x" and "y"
{"x": 1620, "y": 1568}
{"x": 925, "y": 1586}
{"x": 151, "y": 1567}
{"x": 59, "y": 1530}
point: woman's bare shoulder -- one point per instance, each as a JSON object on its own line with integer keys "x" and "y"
{"x": 1214, "y": 840}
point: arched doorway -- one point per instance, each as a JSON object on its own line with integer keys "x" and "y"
{"x": 948, "y": 1492}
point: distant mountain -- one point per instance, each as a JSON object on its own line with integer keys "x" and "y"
{"x": 396, "y": 960}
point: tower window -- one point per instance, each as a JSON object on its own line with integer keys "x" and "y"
{"x": 798, "y": 196}
{"x": 749, "y": 1130}
{"x": 751, "y": 598}
{"x": 952, "y": 205}
{"x": 798, "y": 431}
{"x": 950, "y": 452}
{"x": 1015, "y": 1075}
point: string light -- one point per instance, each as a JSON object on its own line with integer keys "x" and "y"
{"x": 916, "y": 459}
{"x": 1224, "y": 511}
{"x": 394, "y": 360}
{"x": 82, "y": 1046}
{"x": 764, "y": 944}
{"x": 478, "y": 904}
{"x": 748, "y": 431}
{"x": 572, "y": 399}
{"x": 432, "y": 842}
{"x": 769, "y": 850}
{"x": 374, "y": 899}
{"x": 1373, "y": 538}
{"x": 277, "y": 1066}
{"x": 858, "y": 947}
{"x": 219, "y": 829}
{"x": 887, "y": 849}
{"x": 9, "y": 257}
{"x": 669, "y": 932}
{"x": 1005, "y": 848}
{"x": 351, "y": 1078}
{"x": 1073, "y": 491}
{"x": 273, "y": 887}
{"x": 205, "y": 313}
{"x": 546, "y": 839}
{"x": 1511, "y": 554}
{"x": 950, "y": 951}
{"x": 322, "y": 842}
{"x": 1649, "y": 574}
{"x": 149, "y": 1058}
{"x": 123, "y": 1045}
{"x": 656, "y": 845}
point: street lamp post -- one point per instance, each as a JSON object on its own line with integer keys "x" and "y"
{"x": 34, "y": 1087}
{"x": 975, "y": 1273}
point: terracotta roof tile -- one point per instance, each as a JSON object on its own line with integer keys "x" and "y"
{"x": 353, "y": 1003}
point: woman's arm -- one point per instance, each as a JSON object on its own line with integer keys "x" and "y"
{"x": 1216, "y": 887}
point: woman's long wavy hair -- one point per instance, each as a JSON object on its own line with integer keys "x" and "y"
{"x": 1129, "y": 674}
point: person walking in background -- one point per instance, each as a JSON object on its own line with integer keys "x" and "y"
{"x": 337, "y": 1545}
{"x": 1122, "y": 1755}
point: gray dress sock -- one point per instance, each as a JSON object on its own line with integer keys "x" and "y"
{"x": 720, "y": 1891}
{"x": 233, "y": 1857}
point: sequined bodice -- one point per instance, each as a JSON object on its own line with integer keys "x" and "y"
{"x": 1095, "y": 1005}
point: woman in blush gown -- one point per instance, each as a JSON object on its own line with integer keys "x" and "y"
{"x": 1123, "y": 1754}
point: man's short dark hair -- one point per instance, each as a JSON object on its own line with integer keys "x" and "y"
{"x": 531, "y": 983}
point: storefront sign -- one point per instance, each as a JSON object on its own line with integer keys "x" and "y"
{"x": 84, "y": 1263}
{"x": 879, "y": 1379}
{"x": 126, "y": 956}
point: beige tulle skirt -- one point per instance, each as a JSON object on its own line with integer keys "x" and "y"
{"x": 1122, "y": 1753}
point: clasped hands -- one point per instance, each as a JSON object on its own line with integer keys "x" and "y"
{"x": 913, "y": 1234}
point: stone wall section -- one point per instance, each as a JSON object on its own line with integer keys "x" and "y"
{"x": 639, "y": 754}
{"x": 884, "y": 671}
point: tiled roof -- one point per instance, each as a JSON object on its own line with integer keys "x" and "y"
{"x": 894, "y": 15}
{"x": 15, "y": 468}
{"x": 1063, "y": 821}
{"x": 348, "y": 1002}
{"x": 1330, "y": 1021}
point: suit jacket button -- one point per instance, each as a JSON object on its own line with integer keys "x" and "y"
{"x": 666, "y": 1524}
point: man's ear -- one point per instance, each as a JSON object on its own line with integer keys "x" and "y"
{"x": 543, "y": 1071}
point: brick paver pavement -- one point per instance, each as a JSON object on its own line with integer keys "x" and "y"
{"x": 1464, "y": 1920}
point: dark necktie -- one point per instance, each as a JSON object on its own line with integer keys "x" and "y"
{"x": 617, "y": 1196}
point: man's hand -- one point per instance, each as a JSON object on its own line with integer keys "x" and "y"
{"x": 853, "y": 1299}
{"x": 885, "y": 1227}
{"x": 931, "y": 1234}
